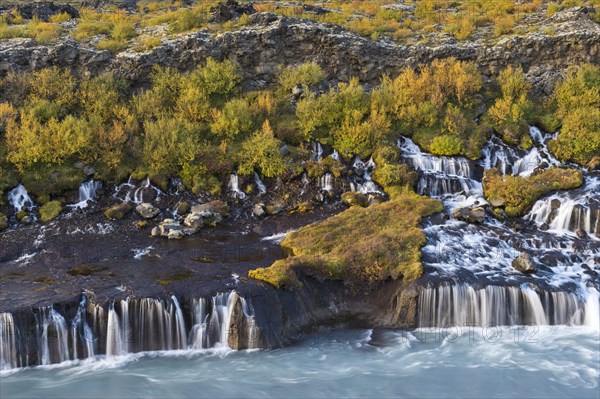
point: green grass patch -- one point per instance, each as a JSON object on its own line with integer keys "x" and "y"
{"x": 516, "y": 194}
{"x": 362, "y": 246}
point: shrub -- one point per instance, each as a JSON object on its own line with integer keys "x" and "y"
{"x": 218, "y": 80}
{"x": 307, "y": 74}
{"x": 261, "y": 151}
{"x": 43, "y": 32}
{"x": 168, "y": 145}
{"x": 446, "y": 145}
{"x": 233, "y": 121}
{"x": 62, "y": 17}
{"x": 508, "y": 112}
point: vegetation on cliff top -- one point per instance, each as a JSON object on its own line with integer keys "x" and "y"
{"x": 200, "y": 125}
{"x": 516, "y": 193}
{"x": 414, "y": 21}
{"x": 361, "y": 246}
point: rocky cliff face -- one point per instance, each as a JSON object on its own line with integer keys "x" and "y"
{"x": 270, "y": 41}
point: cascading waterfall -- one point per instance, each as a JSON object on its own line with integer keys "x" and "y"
{"x": 464, "y": 305}
{"x": 130, "y": 192}
{"x": 8, "y": 345}
{"x": 87, "y": 193}
{"x": 565, "y": 213}
{"x": 19, "y": 198}
{"x": 326, "y": 182}
{"x": 363, "y": 181}
{"x": 234, "y": 187}
{"x": 53, "y": 336}
{"x": 82, "y": 337}
{"x": 128, "y": 326}
{"x": 441, "y": 176}
{"x": 262, "y": 189}
{"x": 316, "y": 151}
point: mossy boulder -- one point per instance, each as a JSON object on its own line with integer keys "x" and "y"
{"x": 362, "y": 246}
{"x": 21, "y": 215}
{"x": 305, "y": 207}
{"x": 355, "y": 199}
{"x": 3, "y": 222}
{"x": 516, "y": 193}
{"x": 183, "y": 208}
{"x": 50, "y": 211}
{"x": 118, "y": 212}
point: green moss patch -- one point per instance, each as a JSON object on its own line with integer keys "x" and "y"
{"x": 360, "y": 245}
{"x": 86, "y": 270}
{"x": 50, "y": 211}
{"x": 516, "y": 194}
{"x": 178, "y": 276}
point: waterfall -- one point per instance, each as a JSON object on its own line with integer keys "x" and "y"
{"x": 464, "y": 305}
{"x": 197, "y": 338}
{"x": 326, "y": 182}
{"x": 234, "y": 187}
{"x": 564, "y": 214}
{"x": 335, "y": 155}
{"x": 52, "y": 337}
{"x": 82, "y": 337}
{"x": 440, "y": 176}
{"x": 87, "y": 192}
{"x": 262, "y": 189}
{"x": 8, "y": 345}
{"x": 130, "y": 192}
{"x": 212, "y": 320}
{"x": 362, "y": 182}
{"x": 592, "y": 309}
{"x": 316, "y": 151}
{"x": 117, "y": 331}
{"x": 19, "y": 198}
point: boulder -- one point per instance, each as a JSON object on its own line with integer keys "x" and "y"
{"x": 259, "y": 210}
{"x": 473, "y": 214}
{"x": 216, "y": 206}
{"x": 273, "y": 209}
{"x": 524, "y": 263}
{"x": 118, "y": 212}
{"x": 3, "y": 221}
{"x": 355, "y": 199}
{"x": 228, "y": 10}
{"x": 183, "y": 208}
{"x": 581, "y": 233}
{"x": 175, "y": 234}
{"x": 50, "y": 211}
{"x": 194, "y": 221}
{"x": 147, "y": 211}
{"x": 43, "y": 10}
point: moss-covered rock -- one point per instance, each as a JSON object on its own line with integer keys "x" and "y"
{"x": 516, "y": 193}
{"x": 355, "y": 199}
{"x": 118, "y": 212}
{"x": 362, "y": 246}
{"x": 22, "y": 214}
{"x": 3, "y": 221}
{"x": 50, "y": 211}
{"x": 305, "y": 207}
{"x": 183, "y": 208}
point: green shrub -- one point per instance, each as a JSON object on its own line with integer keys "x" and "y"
{"x": 261, "y": 152}
{"x": 307, "y": 74}
{"x": 578, "y": 108}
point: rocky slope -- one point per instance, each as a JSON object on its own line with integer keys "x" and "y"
{"x": 270, "y": 41}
